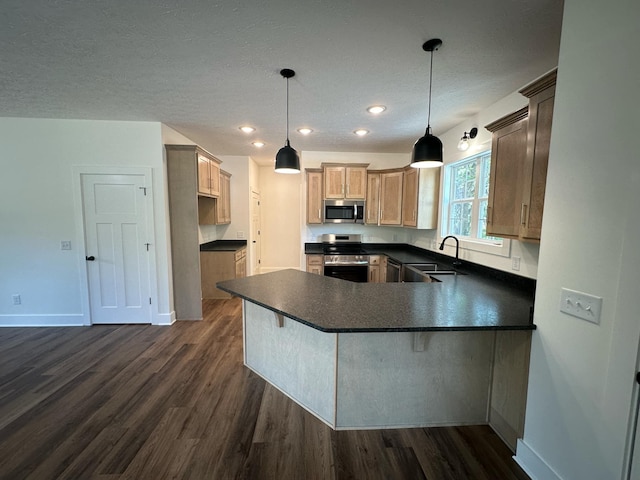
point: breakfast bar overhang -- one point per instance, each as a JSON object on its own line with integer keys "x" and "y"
{"x": 382, "y": 355}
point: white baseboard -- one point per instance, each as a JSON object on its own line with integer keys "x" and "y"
{"x": 165, "y": 318}
{"x": 532, "y": 464}
{"x": 276, "y": 269}
{"x": 48, "y": 320}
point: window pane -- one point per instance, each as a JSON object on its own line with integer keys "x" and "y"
{"x": 460, "y": 221}
{"x": 484, "y": 178}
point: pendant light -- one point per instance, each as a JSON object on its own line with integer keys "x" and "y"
{"x": 427, "y": 151}
{"x": 287, "y": 160}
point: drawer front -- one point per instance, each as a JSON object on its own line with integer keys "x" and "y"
{"x": 315, "y": 259}
{"x": 240, "y": 254}
{"x": 374, "y": 259}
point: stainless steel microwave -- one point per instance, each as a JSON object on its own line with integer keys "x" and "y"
{"x": 343, "y": 211}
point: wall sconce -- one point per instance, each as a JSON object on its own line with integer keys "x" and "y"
{"x": 463, "y": 144}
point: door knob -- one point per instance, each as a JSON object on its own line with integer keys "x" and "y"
{"x": 90, "y": 258}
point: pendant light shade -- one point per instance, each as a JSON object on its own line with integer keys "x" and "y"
{"x": 427, "y": 151}
{"x": 287, "y": 160}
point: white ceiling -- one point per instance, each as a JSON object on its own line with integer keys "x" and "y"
{"x": 206, "y": 67}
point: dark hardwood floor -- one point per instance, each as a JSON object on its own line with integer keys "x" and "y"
{"x": 147, "y": 402}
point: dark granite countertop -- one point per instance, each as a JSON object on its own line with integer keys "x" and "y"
{"x": 459, "y": 302}
{"x": 223, "y": 246}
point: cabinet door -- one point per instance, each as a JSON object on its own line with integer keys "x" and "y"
{"x": 374, "y": 274}
{"x": 391, "y": 198}
{"x": 241, "y": 267}
{"x": 314, "y": 197}
{"x": 356, "y": 181}
{"x": 223, "y": 203}
{"x": 315, "y": 264}
{"x": 508, "y": 150}
{"x": 373, "y": 199}
{"x": 410, "y": 197}
{"x": 537, "y": 160}
{"x": 214, "y": 172}
{"x": 204, "y": 175}
{"x": 334, "y": 182}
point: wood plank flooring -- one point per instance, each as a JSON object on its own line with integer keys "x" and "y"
{"x": 145, "y": 402}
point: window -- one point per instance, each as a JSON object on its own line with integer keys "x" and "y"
{"x": 465, "y": 197}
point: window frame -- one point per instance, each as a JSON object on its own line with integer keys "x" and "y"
{"x": 469, "y": 243}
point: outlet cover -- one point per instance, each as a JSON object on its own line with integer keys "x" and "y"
{"x": 16, "y": 299}
{"x": 65, "y": 245}
{"x": 240, "y": 234}
{"x": 515, "y": 263}
{"x": 581, "y": 305}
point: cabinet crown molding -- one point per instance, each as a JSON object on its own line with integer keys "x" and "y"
{"x": 542, "y": 83}
{"x": 508, "y": 119}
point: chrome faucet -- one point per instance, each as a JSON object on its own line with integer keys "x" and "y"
{"x": 456, "y": 262}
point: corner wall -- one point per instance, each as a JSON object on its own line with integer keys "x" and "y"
{"x": 581, "y": 381}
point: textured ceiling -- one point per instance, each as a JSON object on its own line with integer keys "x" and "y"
{"x": 206, "y": 67}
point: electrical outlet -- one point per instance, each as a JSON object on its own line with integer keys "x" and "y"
{"x": 65, "y": 245}
{"x": 581, "y": 305}
{"x": 16, "y": 299}
{"x": 515, "y": 263}
{"x": 240, "y": 235}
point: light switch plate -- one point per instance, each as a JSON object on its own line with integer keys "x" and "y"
{"x": 581, "y": 305}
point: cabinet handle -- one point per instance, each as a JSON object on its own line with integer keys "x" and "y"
{"x": 523, "y": 214}
{"x": 320, "y": 214}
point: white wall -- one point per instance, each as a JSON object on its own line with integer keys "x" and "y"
{"x": 282, "y": 204}
{"x": 582, "y": 375}
{"x": 37, "y": 211}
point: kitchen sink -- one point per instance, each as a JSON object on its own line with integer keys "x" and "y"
{"x": 425, "y": 272}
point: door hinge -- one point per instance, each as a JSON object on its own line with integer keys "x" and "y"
{"x": 147, "y": 245}
{"x": 149, "y": 300}
{"x": 259, "y": 261}
{"x": 144, "y": 190}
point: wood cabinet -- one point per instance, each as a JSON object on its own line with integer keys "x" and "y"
{"x": 541, "y": 96}
{"x": 187, "y": 209}
{"x": 345, "y": 181}
{"x": 315, "y": 264}
{"x": 375, "y": 269}
{"x": 223, "y": 202}
{"x": 391, "y": 197}
{"x": 208, "y": 175}
{"x": 508, "y": 151}
{"x": 373, "y": 199}
{"x": 420, "y": 197}
{"x": 217, "y": 266}
{"x": 314, "y": 195}
{"x": 519, "y": 161}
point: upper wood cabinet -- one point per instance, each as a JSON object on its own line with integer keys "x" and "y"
{"x": 373, "y": 199}
{"x": 541, "y": 96}
{"x": 223, "y": 202}
{"x": 314, "y": 195}
{"x": 208, "y": 175}
{"x": 345, "y": 181}
{"x": 391, "y": 197}
{"x": 519, "y": 161}
{"x": 420, "y": 197}
{"x": 508, "y": 151}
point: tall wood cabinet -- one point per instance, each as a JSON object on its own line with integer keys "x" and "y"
{"x": 184, "y": 166}
{"x": 345, "y": 181}
{"x": 314, "y": 195}
{"x": 208, "y": 175}
{"x": 420, "y": 197}
{"x": 541, "y": 95}
{"x": 519, "y": 161}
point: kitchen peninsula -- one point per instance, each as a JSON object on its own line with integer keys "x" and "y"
{"x": 383, "y": 355}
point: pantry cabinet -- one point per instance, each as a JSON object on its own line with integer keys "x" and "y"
{"x": 420, "y": 197}
{"x": 314, "y": 195}
{"x": 343, "y": 181}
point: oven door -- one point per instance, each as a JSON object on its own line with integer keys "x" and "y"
{"x": 352, "y": 273}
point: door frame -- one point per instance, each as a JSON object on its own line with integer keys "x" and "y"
{"x": 147, "y": 172}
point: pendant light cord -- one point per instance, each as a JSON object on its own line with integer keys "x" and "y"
{"x": 287, "y": 111}
{"x": 430, "y": 83}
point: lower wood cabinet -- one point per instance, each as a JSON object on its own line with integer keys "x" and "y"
{"x": 375, "y": 269}
{"x": 218, "y": 266}
{"x": 315, "y": 264}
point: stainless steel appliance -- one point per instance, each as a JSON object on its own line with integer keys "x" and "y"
{"x": 344, "y": 257}
{"x": 343, "y": 211}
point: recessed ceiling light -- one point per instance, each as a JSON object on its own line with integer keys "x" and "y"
{"x": 361, "y": 132}
{"x": 247, "y": 129}
{"x": 305, "y": 130}
{"x": 258, "y": 144}
{"x": 376, "y": 109}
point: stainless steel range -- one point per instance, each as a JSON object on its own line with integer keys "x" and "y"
{"x": 344, "y": 257}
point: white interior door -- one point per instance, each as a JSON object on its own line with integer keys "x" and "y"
{"x": 255, "y": 233}
{"x": 117, "y": 245}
